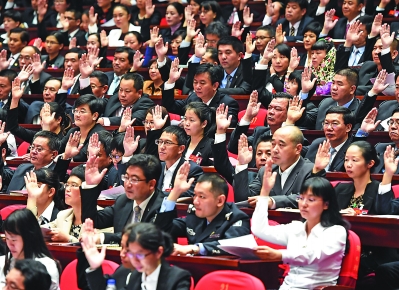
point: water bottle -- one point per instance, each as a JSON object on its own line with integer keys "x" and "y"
{"x": 111, "y": 285}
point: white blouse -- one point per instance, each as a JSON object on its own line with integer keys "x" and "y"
{"x": 314, "y": 260}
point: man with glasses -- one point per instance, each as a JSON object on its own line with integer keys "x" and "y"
{"x": 171, "y": 146}
{"x": 386, "y": 108}
{"x": 43, "y": 151}
{"x": 140, "y": 203}
{"x": 71, "y": 61}
{"x": 71, "y": 27}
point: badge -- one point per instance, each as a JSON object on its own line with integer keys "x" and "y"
{"x": 215, "y": 252}
{"x": 190, "y": 232}
{"x": 237, "y": 224}
{"x": 214, "y": 236}
{"x": 228, "y": 215}
{"x": 191, "y": 208}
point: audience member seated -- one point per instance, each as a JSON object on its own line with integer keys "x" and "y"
{"x": 71, "y": 61}
{"x": 11, "y": 19}
{"x": 175, "y": 20}
{"x": 71, "y": 27}
{"x": 87, "y": 110}
{"x": 208, "y": 220}
{"x": 387, "y": 108}
{"x": 18, "y": 39}
{"x": 28, "y": 274}
{"x": 140, "y": 203}
{"x": 310, "y": 36}
{"x": 293, "y": 170}
{"x": 54, "y": 44}
{"x": 262, "y": 37}
{"x": 154, "y": 86}
{"x": 98, "y": 86}
{"x": 104, "y": 10}
{"x": 44, "y": 149}
{"x": 144, "y": 14}
{"x": 274, "y": 10}
{"x": 318, "y": 244}
{"x": 6, "y": 78}
{"x": 19, "y": 227}
{"x": 209, "y": 12}
{"x": 97, "y": 41}
{"x": 175, "y": 41}
{"x": 134, "y": 40}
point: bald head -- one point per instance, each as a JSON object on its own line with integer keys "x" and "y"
{"x": 286, "y": 146}
{"x": 293, "y": 133}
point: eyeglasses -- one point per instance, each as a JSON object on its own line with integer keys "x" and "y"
{"x": 148, "y": 123}
{"x": 115, "y": 157}
{"x": 333, "y": 125}
{"x": 37, "y": 149}
{"x": 261, "y": 37}
{"x": 138, "y": 256}
{"x": 71, "y": 185}
{"x": 393, "y": 121}
{"x": 79, "y": 112}
{"x": 26, "y": 57}
{"x": 161, "y": 142}
{"x": 49, "y": 42}
{"x": 131, "y": 180}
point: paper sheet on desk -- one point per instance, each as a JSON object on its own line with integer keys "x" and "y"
{"x": 19, "y": 192}
{"x": 240, "y": 246}
{"x": 112, "y": 193}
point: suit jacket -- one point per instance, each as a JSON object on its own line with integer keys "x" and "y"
{"x": 17, "y": 182}
{"x": 139, "y": 109}
{"x": 386, "y": 203}
{"x": 110, "y": 75}
{"x": 195, "y": 171}
{"x": 80, "y": 37}
{"x": 118, "y": 215}
{"x": 345, "y": 191}
{"x": 38, "y": 86}
{"x": 380, "y": 148}
{"x": 64, "y": 222}
{"x": 299, "y": 34}
{"x": 229, "y": 223}
{"x": 283, "y": 197}
{"x": 58, "y": 62}
{"x": 97, "y": 280}
{"x": 203, "y": 150}
{"x": 177, "y": 106}
{"x": 22, "y": 110}
{"x": 339, "y": 30}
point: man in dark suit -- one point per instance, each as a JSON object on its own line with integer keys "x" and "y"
{"x": 208, "y": 220}
{"x": 291, "y": 170}
{"x": 43, "y": 151}
{"x": 71, "y": 61}
{"x": 206, "y": 86}
{"x": 171, "y": 146}
{"x": 131, "y": 96}
{"x": 71, "y": 27}
{"x": 295, "y": 20}
{"x": 386, "y": 109}
{"x": 18, "y": 39}
{"x": 121, "y": 64}
{"x": 96, "y": 84}
{"x": 316, "y": 10}
{"x": 140, "y": 203}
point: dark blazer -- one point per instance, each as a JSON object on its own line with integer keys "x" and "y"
{"x": 22, "y": 110}
{"x": 139, "y": 109}
{"x": 385, "y": 111}
{"x": 222, "y": 163}
{"x": 195, "y": 171}
{"x": 284, "y": 197}
{"x": 110, "y": 75}
{"x": 167, "y": 33}
{"x": 345, "y": 192}
{"x": 339, "y": 30}
{"x": 312, "y": 9}
{"x": 118, "y": 215}
{"x": 286, "y": 28}
{"x": 177, "y": 106}
{"x": 386, "y": 203}
{"x": 203, "y": 150}
{"x": 229, "y": 223}
{"x": 238, "y": 130}
{"x": 80, "y": 37}
{"x": 82, "y": 156}
{"x": 145, "y": 23}
{"x": 38, "y": 86}
{"x": 58, "y": 62}
{"x": 97, "y": 280}
{"x": 380, "y": 148}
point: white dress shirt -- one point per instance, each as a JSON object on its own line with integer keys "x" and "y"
{"x": 48, "y": 212}
{"x": 150, "y": 282}
{"x": 168, "y": 174}
{"x": 287, "y": 172}
{"x": 142, "y": 206}
{"x": 319, "y": 252}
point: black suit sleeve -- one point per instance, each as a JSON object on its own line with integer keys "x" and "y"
{"x": 342, "y": 58}
{"x": 18, "y": 131}
{"x": 172, "y": 106}
{"x": 235, "y": 136}
{"x": 168, "y": 222}
{"x": 384, "y": 204}
{"x": 183, "y": 54}
{"x": 35, "y": 87}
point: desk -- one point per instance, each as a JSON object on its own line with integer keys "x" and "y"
{"x": 267, "y": 272}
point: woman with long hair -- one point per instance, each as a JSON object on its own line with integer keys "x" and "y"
{"x": 24, "y": 240}
{"x": 316, "y": 244}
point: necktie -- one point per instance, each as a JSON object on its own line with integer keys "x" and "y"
{"x": 347, "y": 27}
{"x": 42, "y": 220}
{"x": 396, "y": 153}
{"x": 137, "y": 214}
{"x": 1, "y": 104}
{"x": 228, "y": 81}
{"x": 231, "y": 18}
{"x": 354, "y": 57}
{"x": 113, "y": 85}
{"x": 292, "y": 31}
{"x": 332, "y": 152}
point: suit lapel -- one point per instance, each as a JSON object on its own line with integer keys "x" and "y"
{"x": 209, "y": 229}
{"x": 292, "y": 177}
{"x": 160, "y": 180}
{"x": 126, "y": 212}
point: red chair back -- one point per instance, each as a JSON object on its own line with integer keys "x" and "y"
{"x": 335, "y": 182}
{"x": 69, "y": 280}
{"x": 175, "y": 117}
{"x": 23, "y": 148}
{"x": 261, "y": 242}
{"x": 230, "y": 194}
{"x": 350, "y": 263}
{"x": 395, "y": 190}
{"x": 228, "y": 279}
{"x": 259, "y": 120}
{"x": 6, "y": 211}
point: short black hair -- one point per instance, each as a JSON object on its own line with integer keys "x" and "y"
{"x": 367, "y": 20}
{"x": 395, "y": 111}
{"x": 269, "y": 29}
{"x": 35, "y": 274}
{"x": 351, "y": 75}
{"x": 77, "y": 50}
{"x": 179, "y": 32}
{"x": 322, "y": 44}
{"x": 105, "y": 138}
{"x": 101, "y": 76}
{"x": 137, "y": 78}
{"x": 214, "y": 7}
{"x": 117, "y": 142}
{"x": 347, "y": 114}
{"x": 218, "y": 184}
{"x": 303, "y": 4}
{"x": 314, "y": 27}
{"x": 13, "y": 14}
{"x": 24, "y": 35}
{"x": 284, "y": 49}
{"x": 138, "y": 35}
{"x": 125, "y": 49}
{"x": 9, "y": 74}
{"x": 297, "y": 77}
{"x": 79, "y": 172}
{"x": 215, "y": 72}
{"x": 149, "y": 164}
{"x": 54, "y": 142}
{"x": 214, "y": 53}
{"x": 178, "y": 132}
{"x": 237, "y": 44}
{"x": 217, "y": 28}
{"x": 262, "y": 138}
{"x": 77, "y": 13}
{"x": 95, "y": 105}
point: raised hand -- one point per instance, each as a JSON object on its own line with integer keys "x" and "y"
{"x": 243, "y": 3}
{"x": 223, "y": 121}
{"x": 149, "y": 8}
{"x": 94, "y": 146}
{"x": 72, "y": 43}
{"x": 380, "y": 83}
{"x": 369, "y": 124}
{"x": 386, "y": 37}
{"x": 268, "y": 53}
{"x": 92, "y": 174}
{"x": 236, "y": 29}
{"x": 269, "y": 178}
{"x": 322, "y": 156}
{"x": 64, "y": 22}
{"x": 154, "y": 36}
{"x": 41, "y": 9}
{"x": 92, "y": 17}
{"x": 376, "y": 27}
{"x": 306, "y": 82}
{"x": 130, "y": 144}
{"x": 191, "y": 31}
{"x": 390, "y": 163}
{"x": 85, "y": 70}
{"x": 34, "y": 191}
{"x": 295, "y": 110}
{"x": 353, "y": 33}
{"x": 280, "y": 34}
{"x": 93, "y": 256}
{"x": 47, "y": 118}
{"x": 294, "y": 60}
{"x": 38, "y": 43}
{"x": 3, "y": 135}
{"x": 4, "y": 62}
{"x": 181, "y": 183}
{"x": 161, "y": 49}
{"x": 126, "y": 120}
{"x": 92, "y": 56}
{"x": 25, "y": 73}
{"x": 248, "y": 17}
{"x": 188, "y": 13}
{"x": 68, "y": 78}
{"x": 249, "y": 44}
{"x": 73, "y": 146}
{"x": 252, "y": 107}
{"x": 175, "y": 71}
{"x": 159, "y": 122}
{"x": 37, "y": 65}
{"x": 323, "y": 3}
{"x": 269, "y": 8}
{"x": 137, "y": 61}
{"x": 104, "y": 38}
{"x": 16, "y": 89}
{"x": 200, "y": 46}
{"x": 245, "y": 153}
{"x": 329, "y": 21}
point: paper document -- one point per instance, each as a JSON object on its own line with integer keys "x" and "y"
{"x": 241, "y": 246}
{"x": 112, "y": 193}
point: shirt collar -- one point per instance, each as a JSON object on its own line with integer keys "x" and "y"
{"x": 48, "y": 212}
{"x": 348, "y": 103}
{"x": 360, "y": 49}
{"x": 72, "y": 34}
{"x": 173, "y": 167}
{"x": 143, "y": 205}
{"x": 232, "y": 73}
{"x": 48, "y": 165}
{"x": 153, "y": 277}
{"x": 296, "y": 25}
{"x": 289, "y": 169}
{"x": 353, "y": 20}
{"x": 337, "y": 148}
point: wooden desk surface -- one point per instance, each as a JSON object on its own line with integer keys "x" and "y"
{"x": 198, "y": 266}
